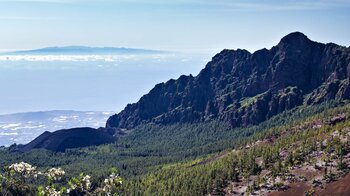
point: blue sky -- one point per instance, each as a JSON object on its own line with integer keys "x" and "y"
{"x": 179, "y": 25}
{"x": 190, "y": 26}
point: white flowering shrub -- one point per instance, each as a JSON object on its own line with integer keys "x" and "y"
{"x": 55, "y": 173}
{"x": 13, "y": 179}
{"x": 82, "y": 184}
{"x": 23, "y": 168}
{"x": 50, "y": 191}
{"x": 13, "y": 182}
{"x": 112, "y": 184}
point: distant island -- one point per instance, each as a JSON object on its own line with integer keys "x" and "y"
{"x": 83, "y": 50}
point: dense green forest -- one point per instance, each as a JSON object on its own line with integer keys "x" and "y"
{"x": 195, "y": 159}
{"x": 298, "y": 139}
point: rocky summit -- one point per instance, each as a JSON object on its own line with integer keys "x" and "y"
{"x": 246, "y": 88}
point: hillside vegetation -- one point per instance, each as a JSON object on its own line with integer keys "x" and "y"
{"x": 213, "y": 158}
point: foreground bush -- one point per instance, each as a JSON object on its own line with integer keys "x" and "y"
{"x": 19, "y": 179}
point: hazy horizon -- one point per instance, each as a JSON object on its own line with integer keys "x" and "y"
{"x": 192, "y": 30}
{"x": 33, "y": 83}
{"x": 86, "y": 83}
{"x": 192, "y": 25}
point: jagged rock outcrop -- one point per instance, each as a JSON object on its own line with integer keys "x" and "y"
{"x": 246, "y": 88}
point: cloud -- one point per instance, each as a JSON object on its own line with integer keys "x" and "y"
{"x": 84, "y": 58}
{"x": 8, "y": 126}
{"x": 8, "y": 133}
{"x": 67, "y": 58}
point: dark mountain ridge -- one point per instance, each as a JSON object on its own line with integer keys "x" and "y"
{"x": 246, "y": 88}
{"x": 61, "y": 140}
{"x": 236, "y": 86}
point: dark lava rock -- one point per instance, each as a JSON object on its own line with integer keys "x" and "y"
{"x": 61, "y": 140}
{"x": 246, "y": 88}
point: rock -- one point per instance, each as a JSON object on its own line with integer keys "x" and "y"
{"x": 246, "y": 88}
{"x": 61, "y": 140}
{"x": 337, "y": 119}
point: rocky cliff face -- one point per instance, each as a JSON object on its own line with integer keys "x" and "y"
{"x": 244, "y": 88}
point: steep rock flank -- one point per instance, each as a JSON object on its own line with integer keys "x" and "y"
{"x": 244, "y": 88}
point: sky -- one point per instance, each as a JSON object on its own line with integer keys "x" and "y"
{"x": 176, "y": 25}
{"x": 193, "y": 30}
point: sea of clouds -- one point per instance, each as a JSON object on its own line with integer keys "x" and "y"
{"x": 82, "y": 83}
{"x": 21, "y": 128}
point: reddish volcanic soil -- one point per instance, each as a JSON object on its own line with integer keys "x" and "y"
{"x": 339, "y": 187}
{"x": 295, "y": 189}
